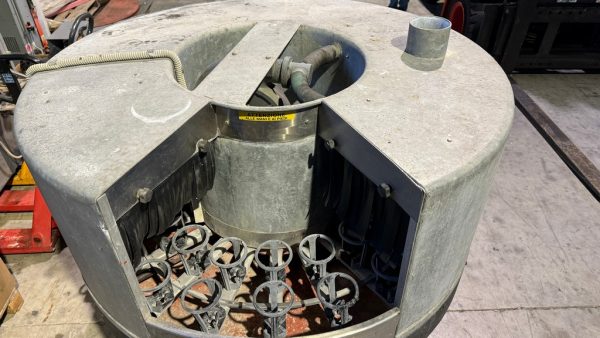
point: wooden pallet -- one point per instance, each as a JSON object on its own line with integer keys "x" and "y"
{"x": 14, "y": 304}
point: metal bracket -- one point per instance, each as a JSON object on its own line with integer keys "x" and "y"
{"x": 274, "y": 326}
{"x": 232, "y": 273}
{"x": 315, "y": 268}
{"x": 161, "y": 296}
{"x": 210, "y": 316}
{"x": 336, "y": 308}
{"x": 194, "y": 256}
{"x": 275, "y": 252}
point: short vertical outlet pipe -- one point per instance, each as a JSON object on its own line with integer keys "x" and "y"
{"x": 427, "y": 42}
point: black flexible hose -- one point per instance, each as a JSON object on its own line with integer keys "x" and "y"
{"x": 317, "y": 58}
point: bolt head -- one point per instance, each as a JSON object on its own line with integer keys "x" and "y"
{"x": 144, "y": 195}
{"x": 384, "y": 190}
{"x": 330, "y": 144}
{"x": 201, "y": 145}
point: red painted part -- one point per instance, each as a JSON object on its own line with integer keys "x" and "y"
{"x": 42, "y": 235}
{"x": 116, "y": 10}
{"x": 66, "y": 8}
{"x": 457, "y": 16}
{"x": 17, "y": 200}
{"x": 38, "y": 28}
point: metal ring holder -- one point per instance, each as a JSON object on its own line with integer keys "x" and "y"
{"x": 354, "y": 260}
{"x": 275, "y": 311}
{"x": 211, "y": 316}
{"x": 388, "y": 279}
{"x": 316, "y": 268}
{"x": 161, "y": 296}
{"x": 165, "y": 242}
{"x": 336, "y": 308}
{"x": 193, "y": 257}
{"x": 233, "y": 273}
{"x": 277, "y": 265}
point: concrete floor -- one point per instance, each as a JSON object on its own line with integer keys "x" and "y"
{"x": 533, "y": 267}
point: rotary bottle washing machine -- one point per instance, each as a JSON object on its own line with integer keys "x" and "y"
{"x": 268, "y": 168}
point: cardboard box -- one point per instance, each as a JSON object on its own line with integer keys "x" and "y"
{"x": 9, "y": 296}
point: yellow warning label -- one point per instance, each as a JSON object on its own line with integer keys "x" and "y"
{"x": 265, "y": 117}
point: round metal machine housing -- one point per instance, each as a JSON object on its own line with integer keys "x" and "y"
{"x": 408, "y": 134}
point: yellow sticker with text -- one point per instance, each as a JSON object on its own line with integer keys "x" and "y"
{"x": 265, "y": 117}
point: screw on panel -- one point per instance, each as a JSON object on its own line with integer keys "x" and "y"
{"x": 144, "y": 195}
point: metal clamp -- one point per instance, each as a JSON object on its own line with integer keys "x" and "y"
{"x": 316, "y": 268}
{"x": 210, "y": 316}
{"x": 161, "y": 296}
{"x": 233, "y": 273}
{"x": 275, "y": 253}
{"x": 194, "y": 256}
{"x": 336, "y": 308}
{"x": 274, "y": 312}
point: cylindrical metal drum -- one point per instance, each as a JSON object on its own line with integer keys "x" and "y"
{"x": 263, "y": 175}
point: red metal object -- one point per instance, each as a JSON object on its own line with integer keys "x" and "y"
{"x": 457, "y": 16}
{"x": 116, "y": 10}
{"x": 43, "y": 233}
{"x": 71, "y": 5}
{"x": 17, "y": 200}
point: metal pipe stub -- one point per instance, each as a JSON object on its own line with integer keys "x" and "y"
{"x": 210, "y": 315}
{"x": 275, "y": 251}
{"x": 274, "y": 312}
{"x": 336, "y": 308}
{"x": 427, "y": 42}
{"x": 316, "y": 267}
{"x": 194, "y": 256}
{"x": 160, "y": 296}
{"x": 232, "y": 273}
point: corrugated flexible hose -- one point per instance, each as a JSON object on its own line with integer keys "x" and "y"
{"x": 113, "y": 57}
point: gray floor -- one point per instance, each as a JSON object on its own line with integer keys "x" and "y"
{"x": 573, "y": 104}
{"x": 533, "y": 267}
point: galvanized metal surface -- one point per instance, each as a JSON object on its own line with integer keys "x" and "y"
{"x": 232, "y": 79}
{"x": 512, "y": 285}
{"x": 261, "y": 191}
{"x": 435, "y": 148}
{"x": 287, "y": 124}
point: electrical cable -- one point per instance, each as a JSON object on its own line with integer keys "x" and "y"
{"x": 9, "y": 152}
